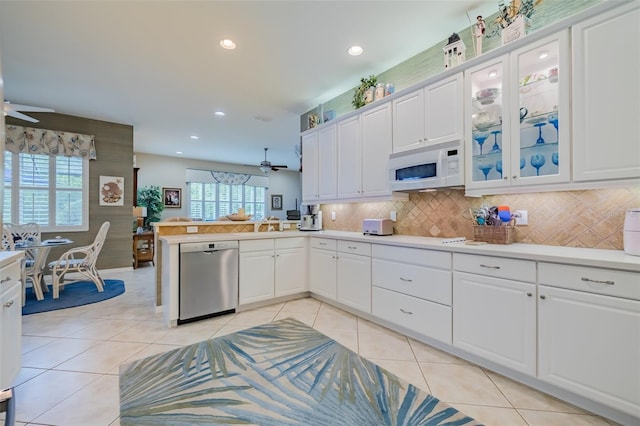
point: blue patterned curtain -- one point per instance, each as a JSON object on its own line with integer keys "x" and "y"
{"x": 228, "y": 178}
{"x": 29, "y": 140}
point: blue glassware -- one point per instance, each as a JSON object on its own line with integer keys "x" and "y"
{"x": 554, "y": 158}
{"x": 522, "y": 163}
{"x": 537, "y": 161}
{"x": 495, "y": 147}
{"x": 499, "y": 167}
{"x": 486, "y": 168}
{"x": 480, "y": 137}
{"x": 539, "y": 126}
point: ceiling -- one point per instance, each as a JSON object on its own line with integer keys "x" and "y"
{"x": 157, "y": 65}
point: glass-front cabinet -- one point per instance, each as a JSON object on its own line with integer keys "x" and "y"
{"x": 516, "y": 104}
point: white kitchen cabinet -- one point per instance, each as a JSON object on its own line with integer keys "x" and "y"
{"x": 354, "y": 275}
{"x": 310, "y": 166}
{"x": 349, "y": 158}
{"x": 429, "y": 115}
{"x": 589, "y": 333}
{"x": 364, "y": 145}
{"x": 10, "y": 324}
{"x": 290, "y": 266}
{"x": 494, "y": 314}
{"x": 257, "y": 270}
{"x": 319, "y": 164}
{"x": 412, "y": 288}
{"x": 323, "y": 267}
{"x": 327, "y": 163}
{"x": 271, "y": 268}
{"x": 517, "y": 119}
{"x": 376, "y": 147}
{"x": 606, "y": 95}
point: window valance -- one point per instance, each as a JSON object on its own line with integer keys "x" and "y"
{"x": 29, "y": 140}
{"x": 228, "y": 178}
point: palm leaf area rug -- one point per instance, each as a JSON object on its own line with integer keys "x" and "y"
{"x": 280, "y": 373}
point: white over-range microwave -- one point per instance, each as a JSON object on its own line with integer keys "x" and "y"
{"x": 435, "y": 166}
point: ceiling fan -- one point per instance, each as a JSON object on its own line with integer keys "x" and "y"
{"x": 12, "y": 111}
{"x": 265, "y": 165}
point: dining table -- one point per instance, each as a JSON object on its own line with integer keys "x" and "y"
{"x": 39, "y": 251}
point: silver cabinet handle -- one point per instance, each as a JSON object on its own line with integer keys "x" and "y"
{"x": 543, "y": 297}
{"x": 406, "y": 280}
{"x": 8, "y": 304}
{"x": 406, "y": 312}
{"x": 322, "y": 244}
{"x": 529, "y": 294}
{"x": 488, "y": 266}
{"x": 352, "y": 247}
{"x": 4, "y": 280}
{"x": 597, "y": 281}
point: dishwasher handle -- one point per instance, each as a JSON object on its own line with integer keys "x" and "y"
{"x": 208, "y": 246}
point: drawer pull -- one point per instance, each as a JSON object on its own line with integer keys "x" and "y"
{"x": 5, "y": 280}
{"x": 406, "y": 312}
{"x": 322, "y": 244}
{"x": 543, "y": 297}
{"x": 352, "y": 247}
{"x": 8, "y": 304}
{"x": 406, "y": 280}
{"x": 529, "y": 294}
{"x": 488, "y": 266}
{"x": 597, "y": 281}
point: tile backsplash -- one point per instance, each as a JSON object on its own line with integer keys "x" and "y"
{"x": 589, "y": 218}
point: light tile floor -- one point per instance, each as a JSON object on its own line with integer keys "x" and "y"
{"x": 71, "y": 358}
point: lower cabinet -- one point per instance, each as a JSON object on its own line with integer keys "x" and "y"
{"x": 323, "y": 267}
{"x": 271, "y": 268}
{"x": 589, "y": 340}
{"x": 412, "y": 288}
{"x": 353, "y": 271}
{"x": 495, "y": 318}
{"x": 10, "y": 324}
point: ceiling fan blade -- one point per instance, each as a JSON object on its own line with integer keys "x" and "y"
{"x": 20, "y": 116}
{"x": 25, "y": 108}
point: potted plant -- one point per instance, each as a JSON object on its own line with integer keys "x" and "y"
{"x": 358, "y": 95}
{"x": 151, "y": 198}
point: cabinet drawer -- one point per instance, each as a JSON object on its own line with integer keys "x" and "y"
{"x": 500, "y": 267}
{"x": 592, "y": 280}
{"x": 323, "y": 243}
{"x": 9, "y": 275}
{"x": 256, "y": 245}
{"x": 296, "y": 242}
{"x": 425, "y": 283}
{"x": 363, "y": 249}
{"x": 430, "y": 258}
{"x": 423, "y": 317}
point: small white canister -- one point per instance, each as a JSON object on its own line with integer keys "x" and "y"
{"x": 631, "y": 232}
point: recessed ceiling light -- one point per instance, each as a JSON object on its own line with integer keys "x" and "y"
{"x": 355, "y": 51}
{"x": 493, "y": 73}
{"x": 543, "y": 54}
{"x": 195, "y": 137}
{"x": 219, "y": 113}
{"x": 227, "y": 44}
{"x": 178, "y": 152}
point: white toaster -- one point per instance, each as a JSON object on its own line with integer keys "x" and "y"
{"x": 377, "y": 227}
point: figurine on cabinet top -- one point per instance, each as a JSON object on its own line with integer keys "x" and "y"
{"x": 478, "y": 32}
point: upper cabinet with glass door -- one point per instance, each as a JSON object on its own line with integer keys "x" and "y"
{"x": 518, "y": 105}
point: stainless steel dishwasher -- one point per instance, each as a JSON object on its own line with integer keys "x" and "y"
{"x": 208, "y": 279}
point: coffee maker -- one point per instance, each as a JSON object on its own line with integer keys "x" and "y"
{"x": 312, "y": 218}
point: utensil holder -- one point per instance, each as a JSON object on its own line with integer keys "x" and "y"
{"x": 504, "y": 234}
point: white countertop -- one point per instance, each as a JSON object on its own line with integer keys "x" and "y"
{"x": 616, "y": 259}
{"x": 6, "y": 257}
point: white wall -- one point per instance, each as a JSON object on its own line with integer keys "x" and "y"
{"x": 169, "y": 172}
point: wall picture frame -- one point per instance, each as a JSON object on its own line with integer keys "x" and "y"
{"x": 276, "y": 202}
{"x": 172, "y": 198}
{"x": 111, "y": 191}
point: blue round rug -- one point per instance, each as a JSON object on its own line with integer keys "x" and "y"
{"x": 75, "y": 293}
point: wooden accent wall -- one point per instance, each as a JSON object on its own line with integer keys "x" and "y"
{"x": 114, "y": 147}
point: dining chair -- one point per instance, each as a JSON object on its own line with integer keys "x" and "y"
{"x": 82, "y": 260}
{"x": 33, "y": 263}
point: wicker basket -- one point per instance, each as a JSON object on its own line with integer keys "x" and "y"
{"x": 495, "y": 234}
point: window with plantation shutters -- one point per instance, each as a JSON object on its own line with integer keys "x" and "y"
{"x": 209, "y": 201}
{"x": 51, "y": 191}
